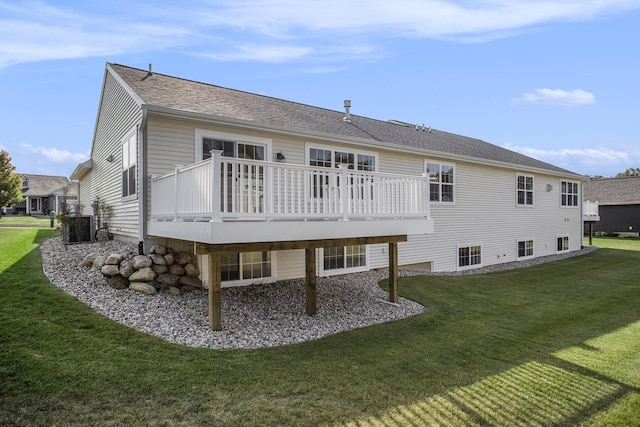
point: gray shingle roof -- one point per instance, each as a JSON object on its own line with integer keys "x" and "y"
{"x": 48, "y": 185}
{"x": 174, "y": 93}
{"x": 618, "y": 191}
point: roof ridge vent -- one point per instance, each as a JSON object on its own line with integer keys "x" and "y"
{"x": 347, "y": 114}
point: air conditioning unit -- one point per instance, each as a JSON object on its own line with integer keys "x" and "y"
{"x": 79, "y": 229}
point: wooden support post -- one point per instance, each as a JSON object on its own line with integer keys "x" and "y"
{"x": 310, "y": 275}
{"x": 591, "y": 234}
{"x": 215, "y": 291}
{"x": 393, "y": 272}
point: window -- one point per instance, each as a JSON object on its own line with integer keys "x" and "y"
{"x": 563, "y": 244}
{"x": 569, "y": 193}
{"x": 129, "y": 161}
{"x": 246, "y": 266}
{"x": 351, "y": 258}
{"x": 333, "y": 158}
{"x": 469, "y": 256}
{"x": 441, "y": 181}
{"x": 25, "y": 182}
{"x": 524, "y": 188}
{"x": 232, "y": 145}
{"x": 525, "y": 248}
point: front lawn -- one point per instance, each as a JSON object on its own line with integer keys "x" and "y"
{"x": 26, "y": 221}
{"x": 555, "y": 344}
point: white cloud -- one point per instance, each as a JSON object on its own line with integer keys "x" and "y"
{"x": 270, "y": 30}
{"x": 557, "y": 97}
{"x": 603, "y": 160}
{"x": 53, "y": 154}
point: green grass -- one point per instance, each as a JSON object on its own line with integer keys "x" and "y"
{"x": 624, "y": 243}
{"x": 25, "y": 221}
{"x": 555, "y": 344}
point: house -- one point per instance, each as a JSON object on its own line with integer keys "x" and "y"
{"x": 619, "y": 204}
{"x": 264, "y": 189}
{"x": 43, "y": 194}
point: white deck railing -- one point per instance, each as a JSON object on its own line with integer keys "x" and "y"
{"x": 590, "y": 209}
{"x": 257, "y": 190}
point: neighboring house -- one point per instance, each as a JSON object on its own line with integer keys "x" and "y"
{"x": 619, "y": 203}
{"x": 43, "y": 194}
{"x": 269, "y": 189}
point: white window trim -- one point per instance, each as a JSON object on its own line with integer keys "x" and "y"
{"x": 568, "y": 246}
{"x": 533, "y": 190}
{"x": 522, "y": 258}
{"x": 469, "y": 267}
{"x": 131, "y": 134}
{"x": 309, "y": 145}
{"x": 204, "y": 268}
{"x": 561, "y": 193}
{"x": 235, "y": 137}
{"x": 338, "y": 271}
{"x": 455, "y": 192}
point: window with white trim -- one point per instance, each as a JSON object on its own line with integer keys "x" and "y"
{"x": 525, "y": 248}
{"x": 245, "y": 266}
{"x": 469, "y": 256}
{"x": 524, "y": 190}
{"x": 568, "y": 193}
{"x": 441, "y": 181}
{"x": 129, "y": 162}
{"x": 343, "y": 259}
{"x": 562, "y": 244}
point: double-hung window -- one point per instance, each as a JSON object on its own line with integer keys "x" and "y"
{"x": 525, "y": 248}
{"x": 524, "y": 190}
{"x": 341, "y": 259}
{"x": 562, "y": 244}
{"x": 441, "y": 181}
{"x": 568, "y": 193}
{"x": 469, "y": 256}
{"x": 129, "y": 162}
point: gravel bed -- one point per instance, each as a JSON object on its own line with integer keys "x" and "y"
{"x": 253, "y": 316}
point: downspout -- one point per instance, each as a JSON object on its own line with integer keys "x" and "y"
{"x": 143, "y": 182}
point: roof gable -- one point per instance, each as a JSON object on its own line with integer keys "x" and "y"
{"x": 187, "y": 96}
{"x": 44, "y": 185}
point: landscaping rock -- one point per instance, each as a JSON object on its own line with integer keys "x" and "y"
{"x": 183, "y": 258}
{"x": 126, "y": 268}
{"x": 145, "y": 274}
{"x": 159, "y": 269}
{"x": 158, "y": 259}
{"x": 168, "y": 279}
{"x": 157, "y": 249}
{"x": 114, "y": 259}
{"x": 168, "y": 258}
{"x": 144, "y": 288}
{"x": 141, "y": 261}
{"x": 172, "y": 290}
{"x": 98, "y": 262}
{"x": 191, "y": 270}
{"x": 89, "y": 259}
{"x": 110, "y": 270}
{"x": 190, "y": 281}
{"x": 176, "y": 269}
{"x": 118, "y": 282}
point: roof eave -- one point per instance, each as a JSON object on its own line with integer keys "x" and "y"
{"x": 81, "y": 170}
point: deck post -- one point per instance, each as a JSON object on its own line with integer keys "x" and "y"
{"x": 176, "y": 190}
{"x": 343, "y": 186}
{"x": 216, "y": 183}
{"x": 310, "y": 282}
{"x": 215, "y": 291}
{"x": 393, "y": 272}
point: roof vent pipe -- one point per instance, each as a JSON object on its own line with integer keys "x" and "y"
{"x": 347, "y": 115}
{"x": 150, "y": 69}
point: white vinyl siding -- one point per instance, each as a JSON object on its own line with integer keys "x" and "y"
{"x": 117, "y": 116}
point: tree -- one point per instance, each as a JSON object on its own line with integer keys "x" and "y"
{"x": 10, "y": 183}
{"x": 628, "y": 172}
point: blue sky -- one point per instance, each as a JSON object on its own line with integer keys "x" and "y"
{"x": 555, "y": 80}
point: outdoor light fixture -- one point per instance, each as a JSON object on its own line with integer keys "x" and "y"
{"x": 110, "y": 158}
{"x": 280, "y": 157}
